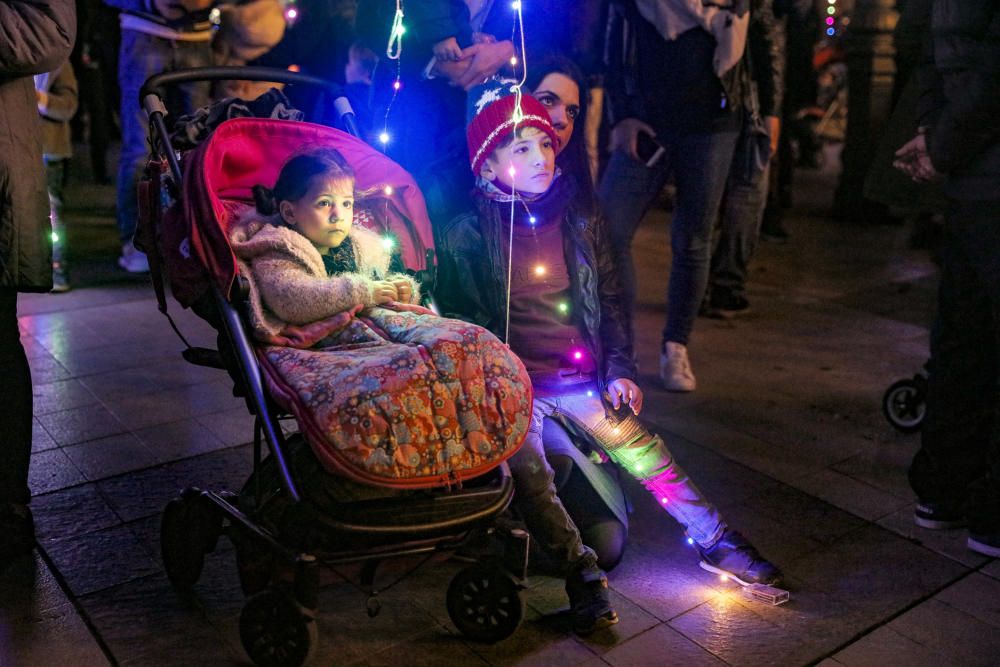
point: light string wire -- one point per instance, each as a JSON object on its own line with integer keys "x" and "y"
{"x": 393, "y": 51}
{"x": 516, "y": 29}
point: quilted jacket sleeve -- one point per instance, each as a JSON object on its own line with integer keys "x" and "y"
{"x": 35, "y": 35}
{"x": 299, "y": 298}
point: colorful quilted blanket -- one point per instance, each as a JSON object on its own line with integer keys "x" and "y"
{"x": 404, "y": 398}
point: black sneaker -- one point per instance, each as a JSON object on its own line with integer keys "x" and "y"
{"x": 734, "y": 557}
{"x": 590, "y": 600}
{"x": 986, "y": 544}
{"x": 938, "y": 516}
{"x": 726, "y": 306}
{"x": 773, "y": 231}
{"x": 18, "y": 530}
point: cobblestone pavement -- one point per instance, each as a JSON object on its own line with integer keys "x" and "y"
{"x": 784, "y": 433}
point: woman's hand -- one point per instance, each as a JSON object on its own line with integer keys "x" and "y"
{"x": 404, "y": 291}
{"x": 626, "y": 392}
{"x": 625, "y": 136}
{"x": 448, "y": 50}
{"x": 384, "y": 291}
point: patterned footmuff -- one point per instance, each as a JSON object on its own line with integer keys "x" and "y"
{"x": 404, "y": 399}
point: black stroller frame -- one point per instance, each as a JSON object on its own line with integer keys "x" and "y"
{"x": 277, "y": 624}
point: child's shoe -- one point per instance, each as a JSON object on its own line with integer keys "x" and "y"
{"x": 733, "y": 556}
{"x": 938, "y": 516}
{"x": 590, "y": 600}
{"x": 675, "y": 369}
{"x": 984, "y": 543}
{"x": 133, "y": 260}
{"x": 18, "y": 529}
{"x": 60, "y": 277}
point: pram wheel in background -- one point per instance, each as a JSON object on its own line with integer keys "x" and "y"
{"x": 189, "y": 529}
{"x": 904, "y": 404}
{"x": 276, "y": 631}
{"x": 484, "y": 603}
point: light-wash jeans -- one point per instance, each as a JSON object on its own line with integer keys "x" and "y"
{"x": 628, "y": 444}
{"x": 141, "y": 57}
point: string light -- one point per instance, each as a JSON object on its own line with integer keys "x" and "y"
{"x": 291, "y": 14}
{"x": 516, "y": 5}
{"x": 55, "y": 237}
{"x": 394, "y": 48}
{"x": 663, "y": 500}
{"x": 532, "y": 219}
{"x": 388, "y": 242}
{"x": 563, "y": 307}
{"x": 690, "y": 540}
{"x": 539, "y": 270}
{"x": 383, "y": 137}
{"x": 388, "y": 191}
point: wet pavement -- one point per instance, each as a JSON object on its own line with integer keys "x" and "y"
{"x": 785, "y": 434}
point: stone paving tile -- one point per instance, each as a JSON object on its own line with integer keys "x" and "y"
{"x": 884, "y": 467}
{"x": 40, "y": 438}
{"x": 47, "y": 369}
{"x": 977, "y": 595}
{"x": 29, "y": 589}
{"x": 850, "y": 495}
{"x": 954, "y": 633}
{"x": 233, "y": 427}
{"x": 733, "y": 633}
{"x": 131, "y": 382}
{"x": 56, "y": 396}
{"x": 102, "y": 559}
{"x": 68, "y": 427}
{"x": 222, "y": 470}
{"x": 887, "y": 647}
{"x": 107, "y": 457}
{"x": 536, "y": 643}
{"x": 950, "y": 543}
{"x": 178, "y": 440}
{"x": 431, "y": 649}
{"x": 52, "y": 470}
{"x": 140, "y": 494}
{"x": 804, "y": 514}
{"x": 64, "y": 514}
{"x": 659, "y": 646}
{"x": 144, "y": 622}
{"x": 173, "y": 404}
{"x": 56, "y": 636}
{"x": 992, "y": 569}
{"x": 116, "y": 356}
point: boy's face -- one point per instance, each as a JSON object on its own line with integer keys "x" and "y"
{"x": 527, "y": 164}
{"x": 324, "y": 214}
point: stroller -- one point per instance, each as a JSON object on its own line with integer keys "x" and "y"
{"x": 293, "y": 517}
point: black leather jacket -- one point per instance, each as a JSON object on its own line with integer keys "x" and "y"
{"x": 471, "y": 286}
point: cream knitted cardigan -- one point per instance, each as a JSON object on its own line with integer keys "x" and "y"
{"x": 289, "y": 288}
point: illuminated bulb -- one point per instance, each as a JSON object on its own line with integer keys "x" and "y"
{"x": 590, "y": 392}
{"x": 831, "y": 9}
{"x": 387, "y": 243}
{"x": 829, "y": 20}
{"x": 563, "y": 307}
{"x": 383, "y": 137}
{"x": 388, "y": 191}
{"x": 663, "y": 500}
{"x": 294, "y": 68}
{"x": 511, "y": 172}
{"x": 616, "y": 430}
{"x": 539, "y": 270}
{"x": 723, "y": 578}
{"x": 516, "y": 5}
{"x": 532, "y": 219}
{"x": 578, "y": 355}
{"x": 690, "y": 540}
{"x": 291, "y": 13}
{"x": 830, "y": 31}
{"x": 396, "y": 85}
{"x": 513, "y": 61}
{"x": 55, "y": 237}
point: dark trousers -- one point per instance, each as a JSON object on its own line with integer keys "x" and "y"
{"x": 959, "y": 456}
{"x": 15, "y": 411}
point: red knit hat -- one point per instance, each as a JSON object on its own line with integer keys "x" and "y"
{"x": 491, "y": 118}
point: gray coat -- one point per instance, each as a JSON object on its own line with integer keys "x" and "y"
{"x": 36, "y": 37}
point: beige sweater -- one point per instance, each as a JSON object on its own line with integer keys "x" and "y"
{"x": 289, "y": 288}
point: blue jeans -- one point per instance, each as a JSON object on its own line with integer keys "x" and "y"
{"x": 700, "y": 164}
{"x": 628, "y": 444}
{"x": 141, "y": 57}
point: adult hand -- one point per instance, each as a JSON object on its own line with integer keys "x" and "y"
{"x": 626, "y": 392}
{"x": 447, "y": 50}
{"x": 404, "y": 290}
{"x": 383, "y": 291}
{"x": 773, "y": 124}
{"x": 914, "y": 160}
{"x": 486, "y": 60}
{"x": 625, "y": 136}
{"x": 452, "y": 71}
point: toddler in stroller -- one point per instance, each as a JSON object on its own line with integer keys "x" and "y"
{"x": 405, "y": 419}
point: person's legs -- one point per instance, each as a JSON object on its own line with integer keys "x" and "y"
{"x": 55, "y": 174}
{"x": 701, "y": 179}
{"x": 626, "y": 192}
{"x": 141, "y": 56}
{"x": 739, "y": 227}
{"x": 15, "y": 424}
{"x": 645, "y": 456}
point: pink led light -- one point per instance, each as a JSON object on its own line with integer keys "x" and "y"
{"x": 578, "y": 355}
{"x": 511, "y": 172}
{"x": 829, "y": 20}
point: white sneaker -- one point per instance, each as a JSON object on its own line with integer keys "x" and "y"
{"x": 133, "y": 260}
{"x": 675, "y": 369}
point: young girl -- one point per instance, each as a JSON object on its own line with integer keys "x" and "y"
{"x": 305, "y": 262}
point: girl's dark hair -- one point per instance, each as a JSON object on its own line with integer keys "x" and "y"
{"x": 297, "y": 176}
{"x": 573, "y": 159}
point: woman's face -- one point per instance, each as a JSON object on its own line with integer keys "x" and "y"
{"x": 324, "y": 214}
{"x": 560, "y": 95}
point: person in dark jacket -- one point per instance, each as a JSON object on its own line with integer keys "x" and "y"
{"x": 676, "y": 74}
{"x": 37, "y": 37}
{"x": 956, "y": 472}
{"x": 529, "y": 266}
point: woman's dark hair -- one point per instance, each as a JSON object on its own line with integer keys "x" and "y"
{"x": 298, "y": 174}
{"x": 573, "y": 159}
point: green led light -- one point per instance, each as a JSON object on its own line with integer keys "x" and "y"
{"x": 563, "y": 307}
{"x": 831, "y": 10}
{"x": 55, "y": 237}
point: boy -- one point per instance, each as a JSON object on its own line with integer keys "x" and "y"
{"x": 559, "y": 310}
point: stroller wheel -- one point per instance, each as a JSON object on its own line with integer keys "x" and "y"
{"x": 485, "y": 603}
{"x": 904, "y": 404}
{"x": 188, "y": 530}
{"x": 275, "y": 632}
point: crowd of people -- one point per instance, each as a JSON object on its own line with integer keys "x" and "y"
{"x": 540, "y": 134}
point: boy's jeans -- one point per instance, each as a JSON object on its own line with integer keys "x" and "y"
{"x": 141, "y": 57}
{"x": 630, "y": 445}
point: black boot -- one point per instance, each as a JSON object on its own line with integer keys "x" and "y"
{"x": 733, "y": 556}
{"x": 590, "y": 600}
{"x": 17, "y": 528}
